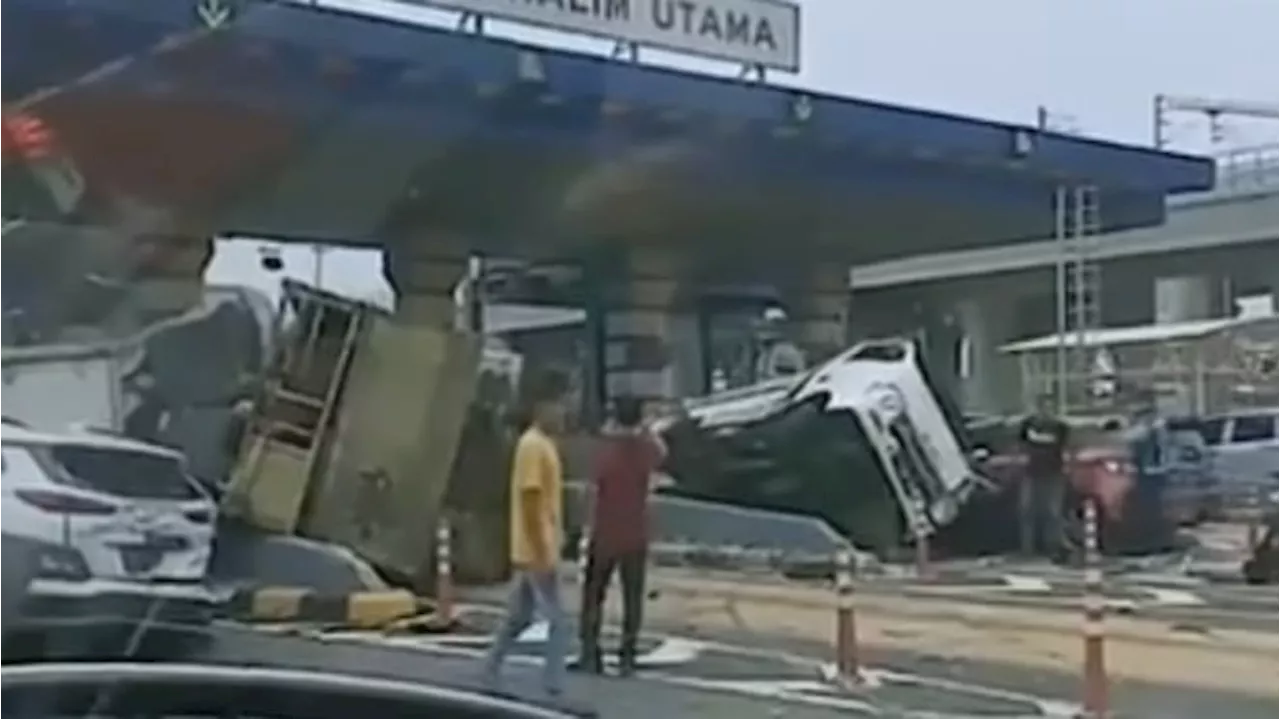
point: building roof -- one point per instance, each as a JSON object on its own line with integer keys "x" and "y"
{"x": 1138, "y": 334}
{"x": 502, "y": 319}
{"x": 319, "y": 62}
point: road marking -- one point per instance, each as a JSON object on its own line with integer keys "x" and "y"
{"x": 1173, "y": 597}
{"x": 675, "y": 651}
{"x": 670, "y": 651}
{"x": 792, "y": 691}
{"x": 1054, "y": 708}
{"x": 1025, "y": 583}
{"x": 1120, "y": 604}
{"x": 1166, "y": 580}
{"x": 798, "y": 691}
{"x": 535, "y": 633}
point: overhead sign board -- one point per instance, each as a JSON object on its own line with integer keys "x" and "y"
{"x": 752, "y": 32}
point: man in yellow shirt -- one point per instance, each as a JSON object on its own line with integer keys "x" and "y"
{"x": 537, "y": 488}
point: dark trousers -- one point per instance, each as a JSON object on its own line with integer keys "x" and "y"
{"x": 1041, "y": 522}
{"x": 599, "y": 571}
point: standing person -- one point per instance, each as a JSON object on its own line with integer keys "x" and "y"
{"x": 1044, "y": 438}
{"x": 1148, "y": 448}
{"x": 619, "y": 533}
{"x": 537, "y": 488}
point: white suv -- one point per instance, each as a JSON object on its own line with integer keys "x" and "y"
{"x": 109, "y": 527}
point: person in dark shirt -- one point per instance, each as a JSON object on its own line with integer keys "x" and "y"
{"x": 1149, "y": 449}
{"x": 619, "y": 531}
{"x": 1044, "y": 438}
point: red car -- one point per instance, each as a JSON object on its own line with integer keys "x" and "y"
{"x": 1099, "y": 466}
{"x": 1102, "y": 471}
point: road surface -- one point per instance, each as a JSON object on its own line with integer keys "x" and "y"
{"x": 930, "y": 651}
{"x": 745, "y": 675}
{"x": 984, "y": 640}
{"x": 1186, "y": 603}
{"x": 694, "y": 679}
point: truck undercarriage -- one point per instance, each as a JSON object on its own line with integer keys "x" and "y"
{"x": 862, "y": 441}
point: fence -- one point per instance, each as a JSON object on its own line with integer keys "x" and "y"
{"x": 1249, "y": 169}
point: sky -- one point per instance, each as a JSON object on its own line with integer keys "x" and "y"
{"x": 1095, "y": 64}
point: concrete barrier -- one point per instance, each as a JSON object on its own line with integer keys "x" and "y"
{"x": 357, "y": 610}
{"x": 245, "y": 556}
{"x": 695, "y": 533}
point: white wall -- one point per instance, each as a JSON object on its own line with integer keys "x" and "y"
{"x": 350, "y": 272}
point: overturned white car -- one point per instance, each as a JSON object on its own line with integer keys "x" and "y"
{"x": 862, "y": 440}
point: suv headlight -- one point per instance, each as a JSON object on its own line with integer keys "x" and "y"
{"x": 887, "y": 401}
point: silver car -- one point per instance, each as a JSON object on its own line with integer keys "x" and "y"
{"x": 1244, "y": 451}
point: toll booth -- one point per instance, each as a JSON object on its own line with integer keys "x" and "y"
{"x": 355, "y": 430}
{"x": 1195, "y": 367}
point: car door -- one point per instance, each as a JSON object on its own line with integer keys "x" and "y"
{"x": 163, "y": 527}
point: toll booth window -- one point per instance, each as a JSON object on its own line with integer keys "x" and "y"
{"x": 1255, "y": 428}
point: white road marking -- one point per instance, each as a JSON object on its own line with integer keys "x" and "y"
{"x": 1047, "y": 707}
{"x": 1173, "y": 597}
{"x": 797, "y": 691}
{"x": 1026, "y": 583}
{"x": 1119, "y": 604}
{"x": 670, "y": 652}
{"x": 830, "y": 674}
{"x": 675, "y": 651}
{"x": 1166, "y": 580}
{"x": 536, "y": 633}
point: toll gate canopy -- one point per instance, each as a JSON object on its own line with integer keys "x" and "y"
{"x": 301, "y": 121}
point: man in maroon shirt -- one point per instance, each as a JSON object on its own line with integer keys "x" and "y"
{"x": 619, "y": 531}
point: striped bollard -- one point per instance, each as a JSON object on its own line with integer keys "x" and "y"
{"x": 920, "y": 528}
{"x": 1095, "y": 670}
{"x": 848, "y": 669}
{"x": 444, "y": 572}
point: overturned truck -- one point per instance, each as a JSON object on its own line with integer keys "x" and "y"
{"x": 864, "y": 441}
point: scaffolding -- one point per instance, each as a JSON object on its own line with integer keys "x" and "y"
{"x": 1195, "y": 367}
{"x": 1078, "y": 300}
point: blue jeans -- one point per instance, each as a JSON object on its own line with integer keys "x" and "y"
{"x": 532, "y": 593}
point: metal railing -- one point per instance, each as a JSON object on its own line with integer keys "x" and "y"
{"x": 1249, "y": 169}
